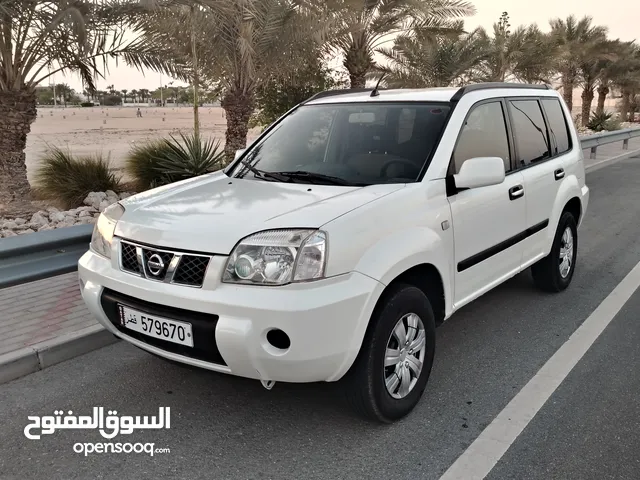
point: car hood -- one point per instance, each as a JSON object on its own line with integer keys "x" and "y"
{"x": 213, "y": 212}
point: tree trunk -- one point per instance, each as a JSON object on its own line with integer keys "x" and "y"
{"x": 603, "y": 91}
{"x": 17, "y": 113}
{"x": 238, "y": 108}
{"x": 358, "y": 62}
{"x": 587, "y": 100}
{"x": 626, "y": 105}
{"x": 633, "y": 106}
{"x": 567, "y": 90}
{"x": 196, "y": 76}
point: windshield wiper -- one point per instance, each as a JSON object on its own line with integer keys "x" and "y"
{"x": 262, "y": 174}
{"x": 302, "y": 175}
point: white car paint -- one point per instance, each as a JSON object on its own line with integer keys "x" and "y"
{"x": 374, "y": 233}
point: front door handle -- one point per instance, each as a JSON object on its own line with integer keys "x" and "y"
{"x": 516, "y": 192}
{"x": 559, "y": 173}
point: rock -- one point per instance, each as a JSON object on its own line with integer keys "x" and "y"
{"x": 103, "y": 205}
{"x": 46, "y": 227}
{"x": 57, "y": 217}
{"x": 20, "y": 221}
{"x": 94, "y": 199}
{"x": 8, "y": 233}
{"x": 68, "y": 222}
{"x": 10, "y": 225}
{"x": 51, "y": 210}
{"x": 28, "y": 230}
{"x": 124, "y": 195}
{"x": 39, "y": 219}
{"x": 86, "y": 220}
{"x": 85, "y": 214}
{"x": 86, "y": 209}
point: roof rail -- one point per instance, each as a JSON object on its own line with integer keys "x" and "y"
{"x": 331, "y": 93}
{"x": 489, "y": 85}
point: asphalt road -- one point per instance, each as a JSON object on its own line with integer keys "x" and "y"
{"x": 230, "y": 428}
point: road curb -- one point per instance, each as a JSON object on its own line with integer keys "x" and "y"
{"x": 609, "y": 161}
{"x": 42, "y": 355}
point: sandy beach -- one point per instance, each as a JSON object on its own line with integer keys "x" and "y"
{"x": 113, "y": 130}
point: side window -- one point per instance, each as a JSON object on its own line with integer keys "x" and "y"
{"x": 484, "y": 134}
{"x": 558, "y": 130}
{"x": 530, "y": 131}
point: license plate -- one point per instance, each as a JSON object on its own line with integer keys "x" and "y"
{"x": 157, "y": 327}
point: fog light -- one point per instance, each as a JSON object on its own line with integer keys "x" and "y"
{"x": 277, "y": 338}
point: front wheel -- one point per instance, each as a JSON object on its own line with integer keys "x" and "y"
{"x": 554, "y": 272}
{"x": 391, "y": 372}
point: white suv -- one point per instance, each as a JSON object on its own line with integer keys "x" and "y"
{"x": 332, "y": 247}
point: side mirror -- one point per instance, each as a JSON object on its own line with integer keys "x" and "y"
{"x": 238, "y": 153}
{"x": 480, "y": 172}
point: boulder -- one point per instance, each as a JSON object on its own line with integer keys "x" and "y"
{"x": 39, "y": 219}
{"x": 57, "y": 217}
{"x": 103, "y": 205}
{"x": 7, "y": 234}
{"x": 9, "y": 225}
{"x": 20, "y": 221}
{"x": 28, "y": 230}
{"x": 94, "y": 199}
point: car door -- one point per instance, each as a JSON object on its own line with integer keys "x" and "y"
{"x": 539, "y": 146}
{"x": 487, "y": 221}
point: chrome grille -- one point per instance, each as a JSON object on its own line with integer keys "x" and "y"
{"x": 129, "y": 258}
{"x": 163, "y": 265}
{"x": 191, "y": 270}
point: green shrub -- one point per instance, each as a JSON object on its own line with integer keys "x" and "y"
{"x": 86, "y": 104}
{"x": 67, "y": 180}
{"x": 604, "y": 121}
{"x": 162, "y": 161}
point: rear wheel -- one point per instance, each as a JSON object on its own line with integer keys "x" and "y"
{"x": 391, "y": 372}
{"x": 554, "y": 272}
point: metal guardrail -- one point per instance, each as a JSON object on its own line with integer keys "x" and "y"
{"x": 594, "y": 141}
{"x": 39, "y": 255}
{"x": 34, "y": 256}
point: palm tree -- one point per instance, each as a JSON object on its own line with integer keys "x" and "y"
{"x": 534, "y": 57}
{"x": 40, "y": 38}
{"x": 239, "y": 47}
{"x": 124, "y": 95}
{"x": 364, "y": 26}
{"x": 592, "y": 62}
{"x": 523, "y": 54}
{"x": 420, "y": 59}
{"x": 628, "y": 81}
{"x": 573, "y": 37}
{"x": 613, "y": 68}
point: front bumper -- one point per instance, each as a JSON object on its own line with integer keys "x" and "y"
{"x": 325, "y": 320}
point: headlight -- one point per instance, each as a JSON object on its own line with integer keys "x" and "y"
{"x": 278, "y": 257}
{"x": 104, "y": 228}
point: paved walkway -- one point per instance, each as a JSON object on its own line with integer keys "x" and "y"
{"x": 38, "y": 312}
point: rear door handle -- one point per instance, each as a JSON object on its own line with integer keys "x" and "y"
{"x": 559, "y": 173}
{"x": 516, "y": 192}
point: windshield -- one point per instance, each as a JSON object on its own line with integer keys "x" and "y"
{"x": 348, "y": 144}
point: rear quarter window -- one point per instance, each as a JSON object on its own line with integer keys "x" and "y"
{"x": 558, "y": 128}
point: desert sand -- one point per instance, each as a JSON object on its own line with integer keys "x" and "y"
{"x": 113, "y": 130}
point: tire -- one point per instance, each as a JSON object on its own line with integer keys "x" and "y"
{"x": 547, "y": 274}
{"x": 365, "y": 384}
